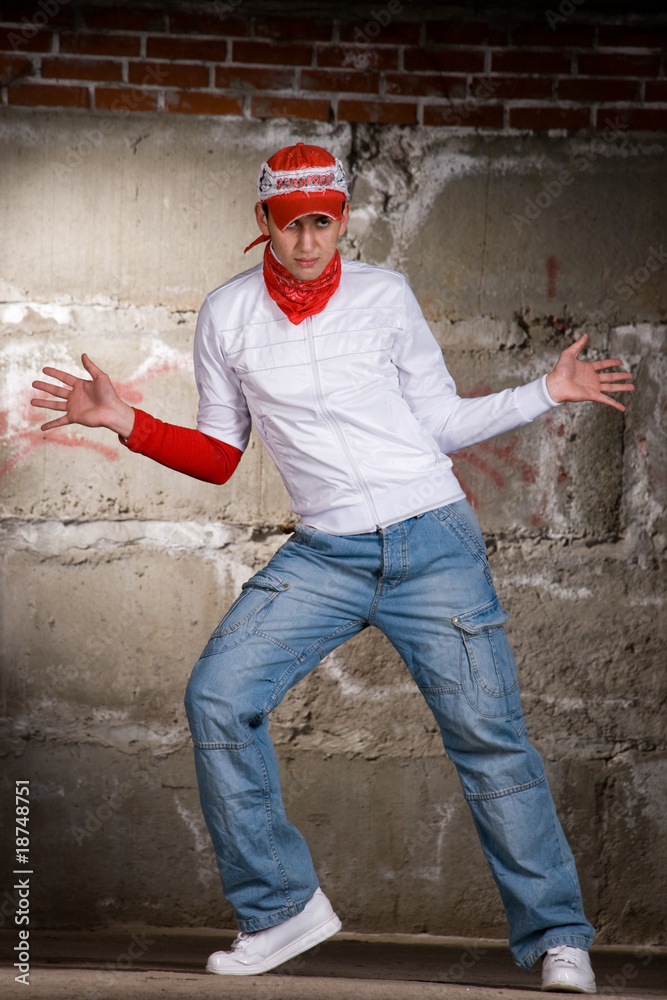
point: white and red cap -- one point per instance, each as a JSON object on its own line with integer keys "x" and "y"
{"x": 302, "y": 180}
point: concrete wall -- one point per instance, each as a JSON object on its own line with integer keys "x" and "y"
{"x": 115, "y": 570}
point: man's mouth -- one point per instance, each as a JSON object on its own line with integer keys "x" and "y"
{"x": 306, "y": 261}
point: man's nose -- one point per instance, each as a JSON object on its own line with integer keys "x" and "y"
{"x": 306, "y": 238}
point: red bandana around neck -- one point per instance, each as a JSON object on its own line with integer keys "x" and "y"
{"x": 299, "y": 299}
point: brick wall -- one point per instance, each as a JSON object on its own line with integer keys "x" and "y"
{"x": 551, "y": 72}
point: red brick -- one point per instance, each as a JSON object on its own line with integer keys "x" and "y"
{"x": 81, "y": 69}
{"x": 572, "y": 36}
{"x": 618, "y": 64}
{"x": 12, "y": 67}
{"x": 290, "y": 107}
{"x": 168, "y": 74}
{"x": 85, "y": 43}
{"x": 20, "y": 40}
{"x": 473, "y": 33}
{"x": 124, "y": 98}
{"x": 380, "y": 112}
{"x": 106, "y": 19}
{"x": 250, "y": 78}
{"x": 272, "y": 54}
{"x": 202, "y": 104}
{"x": 339, "y": 81}
{"x": 357, "y": 57}
{"x": 201, "y": 23}
{"x": 626, "y": 37}
{"x": 519, "y": 88}
{"x": 542, "y": 119}
{"x": 638, "y": 119}
{"x": 371, "y": 32}
{"x": 290, "y": 29}
{"x": 48, "y": 96}
{"x": 466, "y": 115}
{"x": 656, "y": 90}
{"x": 578, "y": 89}
{"x": 426, "y": 85}
{"x": 444, "y": 60}
{"x": 195, "y": 50}
{"x": 513, "y": 61}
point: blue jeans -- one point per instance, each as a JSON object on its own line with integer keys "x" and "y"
{"x": 425, "y": 582}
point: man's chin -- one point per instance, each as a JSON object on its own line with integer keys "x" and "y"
{"x": 306, "y": 273}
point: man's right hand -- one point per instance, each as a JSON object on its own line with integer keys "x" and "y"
{"x": 92, "y": 402}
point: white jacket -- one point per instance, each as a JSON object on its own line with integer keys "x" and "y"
{"x": 354, "y": 405}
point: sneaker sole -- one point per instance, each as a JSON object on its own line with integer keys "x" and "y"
{"x": 304, "y": 943}
{"x": 568, "y": 988}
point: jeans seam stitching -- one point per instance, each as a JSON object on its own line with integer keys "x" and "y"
{"x": 249, "y": 615}
{"x": 376, "y": 598}
{"x": 276, "y": 642}
{"x": 440, "y": 689}
{"x": 221, "y": 746}
{"x": 483, "y": 796}
{"x": 300, "y": 658}
{"x": 288, "y": 911}
{"x": 331, "y": 635}
{"x": 269, "y": 823}
{"x": 462, "y": 530}
{"x": 478, "y": 676}
{"x": 475, "y": 709}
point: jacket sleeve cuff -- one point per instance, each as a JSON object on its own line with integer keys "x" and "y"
{"x": 533, "y": 399}
{"x": 143, "y": 427}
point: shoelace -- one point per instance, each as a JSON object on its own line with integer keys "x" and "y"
{"x": 241, "y": 941}
{"x": 562, "y": 954}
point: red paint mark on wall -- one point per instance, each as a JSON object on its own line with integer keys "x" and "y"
{"x": 27, "y": 440}
{"x": 494, "y": 455}
{"x": 506, "y": 454}
{"x": 470, "y": 456}
{"x": 552, "y": 274}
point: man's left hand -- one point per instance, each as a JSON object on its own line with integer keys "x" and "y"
{"x": 573, "y": 381}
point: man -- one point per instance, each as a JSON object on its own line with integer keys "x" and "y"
{"x": 336, "y": 366}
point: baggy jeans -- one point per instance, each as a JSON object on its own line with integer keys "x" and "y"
{"x": 425, "y": 582}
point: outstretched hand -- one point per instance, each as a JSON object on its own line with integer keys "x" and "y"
{"x": 91, "y": 402}
{"x": 573, "y": 380}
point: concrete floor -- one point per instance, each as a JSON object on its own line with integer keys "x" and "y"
{"x": 153, "y": 964}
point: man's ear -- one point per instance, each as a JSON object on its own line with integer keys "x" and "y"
{"x": 262, "y": 214}
{"x": 346, "y": 216}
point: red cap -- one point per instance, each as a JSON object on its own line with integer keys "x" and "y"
{"x": 302, "y": 180}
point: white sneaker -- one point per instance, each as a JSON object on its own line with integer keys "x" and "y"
{"x": 568, "y": 970}
{"x": 260, "y": 951}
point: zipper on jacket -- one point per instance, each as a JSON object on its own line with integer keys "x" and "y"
{"x": 331, "y": 420}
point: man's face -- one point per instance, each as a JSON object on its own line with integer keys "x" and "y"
{"x": 307, "y": 245}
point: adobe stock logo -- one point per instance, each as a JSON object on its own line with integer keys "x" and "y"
{"x": 630, "y": 285}
{"x": 552, "y": 189}
{"x": 30, "y": 26}
{"x": 379, "y": 20}
{"x": 566, "y": 9}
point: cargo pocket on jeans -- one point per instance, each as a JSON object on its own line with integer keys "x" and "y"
{"x": 488, "y": 670}
{"x": 247, "y": 612}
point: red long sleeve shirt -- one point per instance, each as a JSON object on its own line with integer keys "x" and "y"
{"x": 183, "y": 449}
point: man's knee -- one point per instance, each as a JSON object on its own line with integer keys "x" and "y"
{"x": 214, "y": 705}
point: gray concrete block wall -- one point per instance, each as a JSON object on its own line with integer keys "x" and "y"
{"x": 115, "y": 570}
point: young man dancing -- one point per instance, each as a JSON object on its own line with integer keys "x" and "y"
{"x": 334, "y": 363}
